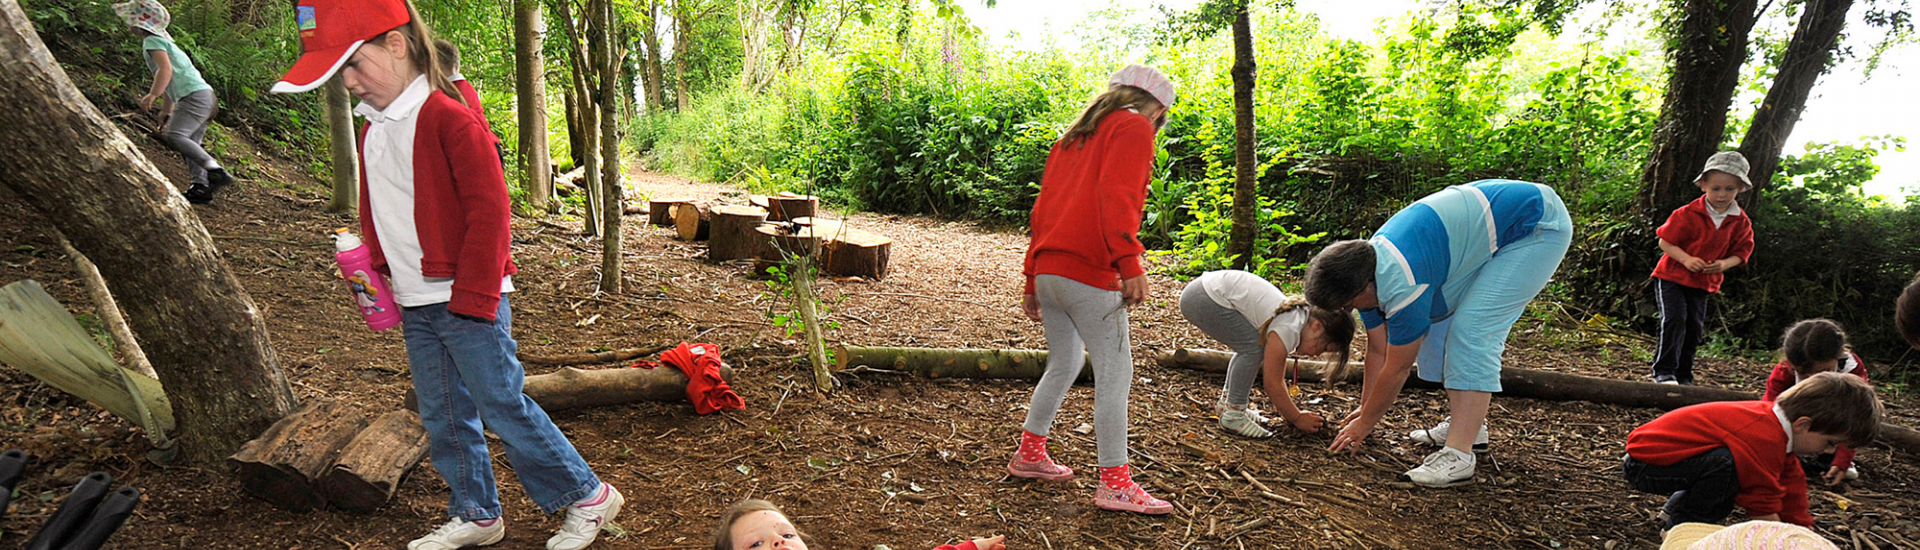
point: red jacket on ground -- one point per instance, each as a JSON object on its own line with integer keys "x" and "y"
{"x": 460, "y": 206}
{"x": 1783, "y": 377}
{"x": 1086, "y": 222}
{"x": 968, "y": 545}
{"x": 1771, "y": 481}
{"x": 1691, "y": 228}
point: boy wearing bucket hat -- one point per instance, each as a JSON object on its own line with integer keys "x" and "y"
{"x": 1700, "y": 241}
{"x": 434, "y": 212}
{"x": 186, "y": 101}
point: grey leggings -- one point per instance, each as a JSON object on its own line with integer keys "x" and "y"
{"x": 1078, "y": 315}
{"x": 1230, "y": 328}
{"x": 186, "y": 126}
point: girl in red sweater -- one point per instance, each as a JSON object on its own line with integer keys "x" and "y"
{"x": 434, "y": 213}
{"x": 1083, "y": 270}
{"x": 1812, "y": 347}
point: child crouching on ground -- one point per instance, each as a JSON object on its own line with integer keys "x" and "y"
{"x": 1711, "y": 456}
{"x": 1812, "y": 347}
{"x": 755, "y": 524}
{"x": 1263, "y": 326}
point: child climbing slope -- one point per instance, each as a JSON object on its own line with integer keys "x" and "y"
{"x": 1263, "y": 326}
{"x": 1083, "y": 271}
{"x": 186, "y": 101}
{"x": 434, "y": 212}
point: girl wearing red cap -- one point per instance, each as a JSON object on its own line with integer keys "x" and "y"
{"x": 1083, "y": 270}
{"x": 434, "y": 212}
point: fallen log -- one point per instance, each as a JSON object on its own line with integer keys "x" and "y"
{"x": 372, "y": 465}
{"x": 571, "y": 388}
{"x": 1539, "y": 384}
{"x": 283, "y": 464}
{"x": 634, "y": 208}
{"x": 692, "y": 221}
{"x": 660, "y": 211}
{"x": 732, "y": 235}
{"x": 952, "y": 363}
{"x": 593, "y": 358}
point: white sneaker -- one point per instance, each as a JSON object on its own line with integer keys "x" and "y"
{"x": 1852, "y": 473}
{"x": 1243, "y": 424}
{"x": 583, "y": 523}
{"x": 461, "y": 533}
{"x": 1222, "y": 406}
{"x": 1437, "y": 436}
{"x": 1444, "y": 468}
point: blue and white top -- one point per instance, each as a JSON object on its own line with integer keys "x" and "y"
{"x": 1440, "y": 243}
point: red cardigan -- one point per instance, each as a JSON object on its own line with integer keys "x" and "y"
{"x": 1086, "y": 222}
{"x": 460, "y": 207}
{"x": 1783, "y": 377}
{"x": 1691, "y": 228}
{"x": 473, "y": 102}
{"x": 1771, "y": 481}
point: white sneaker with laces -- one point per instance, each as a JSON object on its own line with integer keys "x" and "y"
{"x": 1222, "y": 406}
{"x": 583, "y": 523}
{"x": 1444, "y": 468}
{"x": 1853, "y": 473}
{"x": 460, "y": 533}
{"x": 1243, "y": 424}
{"x": 1437, "y": 436}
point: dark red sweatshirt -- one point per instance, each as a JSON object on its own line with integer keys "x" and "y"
{"x": 1771, "y": 481}
{"x": 1783, "y": 377}
{"x": 1086, "y": 222}
{"x": 1691, "y": 228}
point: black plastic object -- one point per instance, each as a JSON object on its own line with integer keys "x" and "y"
{"x": 73, "y": 513}
{"x": 106, "y": 519}
{"x": 12, "y": 463}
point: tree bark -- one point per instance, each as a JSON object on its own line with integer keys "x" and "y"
{"x": 612, "y": 200}
{"x": 937, "y": 363}
{"x": 650, "y": 37}
{"x": 593, "y": 358}
{"x": 732, "y": 235}
{"x": 1809, "y": 54}
{"x": 206, "y": 339}
{"x": 571, "y": 388}
{"x": 283, "y": 465}
{"x": 682, "y": 40}
{"x": 109, "y": 311}
{"x": 788, "y": 206}
{"x": 584, "y": 92}
{"x": 530, "y": 84}
{"x": 1707, "y": 50}
{"x": 801, "y": 277}
{"x": 1246, "y": 198}
{"x": 341, "y": 140}
{"x": 856, "y": 253}
{"x": 372, "y": 465}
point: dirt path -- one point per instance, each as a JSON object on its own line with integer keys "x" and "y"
{"x": 905, "y": 463}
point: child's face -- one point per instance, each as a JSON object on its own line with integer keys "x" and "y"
{"x": 765, "y": 530}
{"x": 1807, "y": 442}
{"x": 1818, "y": 367}
{"x": 378, "y": 71}
{"x": 1720, "y": 189}
{"x": 1313, "y": 340}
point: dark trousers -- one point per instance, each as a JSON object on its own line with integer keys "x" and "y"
{"x": 1700, "y": 488}
{"x": 1683, "y": 323}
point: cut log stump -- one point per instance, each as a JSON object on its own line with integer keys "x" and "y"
{"x": 857, "y": 253}
{"x": 660, "y": 211}
{"x": 283, "y": 464}
{"x": 788, "y": 206}
{"x": 953, "y": 363}
{"x": 733, "y": 237}
{"x": 374, "y": 463}
{"x": 692, "y": 221}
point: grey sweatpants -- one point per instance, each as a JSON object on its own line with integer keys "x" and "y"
{"x": 1230, "y": 328}
{"x": 1084, "y": 322}
{"x": 186, "y": 125}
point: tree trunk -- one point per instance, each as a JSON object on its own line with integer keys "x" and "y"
{"x": 590, "y": 113}
{"x": 109, "y": 311}
{"x": 856, "y": 253}
{"x": 574, "y": 147}
{"x": 650, "y": 37}
{"x": 732, "y": 235}
{"x": 692, "y": 221}
{"x": 682, "y": 43}
{"x": 1808, "y": 56}
{"x": 1707, "y": 51}
{"x": 530, "y": 84}
{"x": 341, "y": 141}
{"x": 1026, "y": 364}
{"x": 206, "y": 339}
{"x": 660, "y": 211}
{"x": 612, "y": 200}
{"x": 371, "y": 466}
{"x": 802, "y": 277}
{"x": 1246, "y": 198}
{"x": 788, "y": 206}
{"x": 283, "y": 465}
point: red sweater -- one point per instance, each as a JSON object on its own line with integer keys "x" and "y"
{"x": 473, "y": 102}
{"x": 1770, "y": 478}
{"x": 1086, "y": 222}
{"x": 1783, "y": 377}
{"x": 1691, "y": 228}
{"x": 460, "y": 207}
{"x": 968, "y": 545}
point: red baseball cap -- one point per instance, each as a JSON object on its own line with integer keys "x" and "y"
{"x": 330, "y": 30}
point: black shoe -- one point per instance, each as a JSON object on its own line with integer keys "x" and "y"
{"x": 216, "y": 179}
{"x": 199, "y": 194}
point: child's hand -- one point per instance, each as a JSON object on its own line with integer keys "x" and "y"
{"x": 1693, "y": 264}
{"x": 1030, "y": 306}
{"x": 147, "y": 102}
{"x": 990, "y": 543}
{"x": 1835, "y": 475}
{"x": 1309, "y": 422}
{"x": 1134, "y": 291}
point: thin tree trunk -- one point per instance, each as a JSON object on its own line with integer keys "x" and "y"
{"x": 206, "y": 339}
{"x": 1808, "y": 56}
{"x": 109, "y": 311}
{"x": 1246, "y": 230}
{"x": 589, "y": 113}
{"x": 1707, "y": 50}
{"x": 341, "y": 141}
{"x": 567, "y": 96}
{"x": 612, "y": 205}
{"x": 530, "y": 84}
{"x": 650, "y": 37}
{"x": 682, "y": 37}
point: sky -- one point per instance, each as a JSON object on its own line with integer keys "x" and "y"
{"x": 1845, "y": 105}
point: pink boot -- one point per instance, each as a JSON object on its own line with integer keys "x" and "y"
{"x": 1032, "y": 462}
{"x": 1118, "y": 492}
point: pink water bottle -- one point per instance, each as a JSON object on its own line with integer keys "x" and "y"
{"x": 370, "y": 292}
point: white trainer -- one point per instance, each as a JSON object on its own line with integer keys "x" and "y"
{"x": 1853, "y": 473}
{"x": 1437, "y": 436}
{"x": 460, "y": 533}
{"x": 1444, "y": 468}
{"x": 1222, "y": 406}
{"x": 1243, "y": 424}
{"x": 583, "y": 523}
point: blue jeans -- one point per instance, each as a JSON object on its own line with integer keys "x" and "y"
{"x": 466, "y": 376}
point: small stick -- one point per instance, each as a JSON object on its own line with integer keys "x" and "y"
{"x": 1256, "y": 483}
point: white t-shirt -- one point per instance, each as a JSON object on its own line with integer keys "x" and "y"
{"x": 389, "y": 160}
{"x": 1256, "y": 299}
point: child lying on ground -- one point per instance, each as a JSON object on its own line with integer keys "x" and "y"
{"x": 755, "y": 524}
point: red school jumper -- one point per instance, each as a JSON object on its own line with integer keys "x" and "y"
{"x": 1086, "y": 223}
{"x": 1691, "y": 228}
{"x": 1771, "y": 481}
{"x": 1783, "y": 377}
{"x": 460, "y": 207}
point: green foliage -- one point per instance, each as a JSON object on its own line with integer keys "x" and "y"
{"x": 1834, "y": 170}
